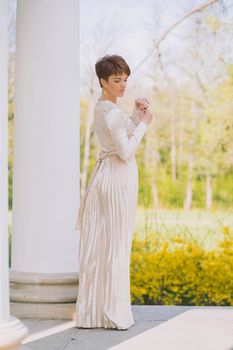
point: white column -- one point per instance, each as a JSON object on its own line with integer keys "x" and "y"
{"x": 46, "y": 159}
{"x": 12, "y": 331}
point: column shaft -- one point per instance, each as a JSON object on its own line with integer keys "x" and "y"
{"x": 4, "y": 273}
{"x": 46, "y": 137}
{"x": 44, "y": 271}
{"x": 12, "y": 331}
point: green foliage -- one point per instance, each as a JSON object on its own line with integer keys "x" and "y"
{"x": 198, "y": 200}
{"x": 223, "y": 189}
{"x": 212, "y": 22}
{"x": 180, "y": 271}
{"x": 10, "y": 185}
{"x": 10, "y": 157}
{"x": 171, "y": 193}
{"x": 144, "y": 183}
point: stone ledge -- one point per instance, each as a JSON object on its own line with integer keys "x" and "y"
{"x": 44, "y": 278}
{"x": 53, "y": 311}
{"x": 41, "y": 295}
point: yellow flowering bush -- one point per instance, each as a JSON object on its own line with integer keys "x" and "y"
{"x": 179, "y": 271}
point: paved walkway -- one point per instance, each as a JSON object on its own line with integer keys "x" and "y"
{"x": 156, "y": 327}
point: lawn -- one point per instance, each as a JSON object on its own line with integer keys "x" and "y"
{"x": 204, "y": 226}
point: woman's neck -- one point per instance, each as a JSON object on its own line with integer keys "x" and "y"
{"x": 110, "y": 98}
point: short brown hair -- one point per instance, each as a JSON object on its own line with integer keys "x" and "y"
{"x": 109, "y": 65}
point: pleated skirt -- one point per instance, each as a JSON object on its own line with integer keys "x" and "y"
{"x": 108, "y": 221}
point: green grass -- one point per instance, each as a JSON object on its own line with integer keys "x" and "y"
{"x": 204, "y": 226}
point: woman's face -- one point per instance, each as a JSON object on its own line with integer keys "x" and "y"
{"x": 116, "y": 85}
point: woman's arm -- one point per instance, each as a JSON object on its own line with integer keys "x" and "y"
{"x": 132, "y": 121}
{"x": 141, "y": 105}
{"x": 125, "y": 146}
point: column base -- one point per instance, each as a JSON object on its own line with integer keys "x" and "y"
{"x": 43, "y": 310}
{"x": 43, "y": 295}
{"x": 12, "y": 333}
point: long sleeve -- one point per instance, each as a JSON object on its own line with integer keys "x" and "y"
{"x": 132, "y": 121}
{"x": 125, "y": 146}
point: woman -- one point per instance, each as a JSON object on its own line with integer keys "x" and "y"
{"x": 107, "y": 210}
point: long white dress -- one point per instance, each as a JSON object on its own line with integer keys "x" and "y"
{"x": 106, "y": 220}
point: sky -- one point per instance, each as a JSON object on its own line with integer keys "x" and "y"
{"x": 140, "y": 21}
{"x": 128, "y": 27}
{"x": 137, "y": 19}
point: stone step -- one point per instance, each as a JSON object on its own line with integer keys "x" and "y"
{"x": 193, "y": 330}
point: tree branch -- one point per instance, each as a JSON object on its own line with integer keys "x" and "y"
{"x": 157, "y": 42}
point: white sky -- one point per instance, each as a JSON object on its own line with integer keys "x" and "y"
{"x": 133, "y": 24}
{"x": 137, "y": 20}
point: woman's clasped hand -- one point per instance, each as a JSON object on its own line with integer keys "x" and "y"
{"x": 142, "y": 105}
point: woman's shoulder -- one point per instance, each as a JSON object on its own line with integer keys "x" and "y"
{"x": 108, "y": 109}
{"x": 106, "y": 105}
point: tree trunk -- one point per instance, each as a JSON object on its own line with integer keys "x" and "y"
{"x": 189, "y": 190}
{"x": 155, "y": 194}
{"x": 180, "y": 143}
{"x": 173, "y": 149}
{"x": 208, "y": 191}
{"x": 154, "y": 161}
